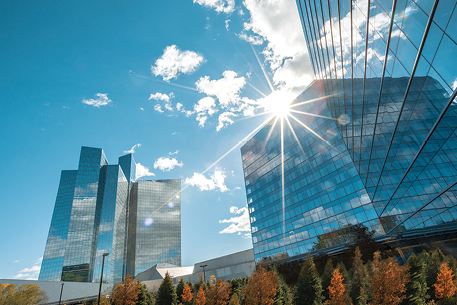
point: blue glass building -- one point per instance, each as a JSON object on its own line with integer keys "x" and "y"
{"x": 381, "y": 150}
{"x": 94, "y": 207}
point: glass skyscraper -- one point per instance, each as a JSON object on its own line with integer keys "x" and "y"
{"x": 371, "y": 141}
{"x": 100, "y": 210}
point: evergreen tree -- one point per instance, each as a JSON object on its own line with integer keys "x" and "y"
{"x": 416, "y": 289}
{"x": 166, "y": 295}
{"x": 435, "y": 259}
{"x": 283, "y": 295}
{"x": 309, "y": 286}
{"x": 327, "y": 277}
{"x": 359, "y": 291}
{"x": 180, "y": 289}
{"x": 234, "y": 300}
{"x": 144, "y": 297}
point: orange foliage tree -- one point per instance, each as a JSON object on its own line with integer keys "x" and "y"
{"x": 186, "y": 294}
{"x": 201, "y": 297}
{"x": 445, "y": 286}
{"x": 219, "y": 293}
{"x": 388, "y": 281}
{"x": 261, "y": 288}
{"x": 126, "y": 292}
{"x": 337, "y": 290}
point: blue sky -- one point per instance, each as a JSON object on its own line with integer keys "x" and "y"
{"x": 178, "y": 82}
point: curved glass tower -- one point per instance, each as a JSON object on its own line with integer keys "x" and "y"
{"x": 381, "y": 150}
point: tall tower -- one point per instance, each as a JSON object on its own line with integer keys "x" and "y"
{"x": 91, "y": 217}
{"x": 376, "y": 140}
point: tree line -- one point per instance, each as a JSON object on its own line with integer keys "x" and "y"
{"x": 427, "y": 278}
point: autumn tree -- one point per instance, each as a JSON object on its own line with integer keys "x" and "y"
{"x": 10, "y": 294}
{"x": 218, "y": 293}
{"x": 261, "y": 288}
{"x": 166, "y": 295}
{"x": 200, "y": 283}
{"x": 201, "y": 297}
{"x": 360, "y": 284}
{"x": 104, "y": 300}
{"x": 179, "y": 290}
{"x": 338, "y": 294}
{"x": 186, "y": 295}
{"x": 309, "y": 286}
{"x": 445, "y": 286}
{"x": 388, "y": 281}
{"x": 416, "y": 289}
{"x": 126, "y": 292}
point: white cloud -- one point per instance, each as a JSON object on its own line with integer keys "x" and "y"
{"x": 158, "y": 108}
{"x": 207, "y": 105}
{"x": 173, "y": 153}
{"x": 141, "y": 109}
{"x": 142, "y": 171}
{"x": 227, "y": 24}
{"x": 226, "y": 89}
{"x": 102, "y": 100}
{"x": 167, "y": 164}
{"x": 225, "y": 120}
{"x": 226, "y": 6}
{"x": 178, "y": 106}
{"x": 256, "y": 40}
{"x": 238, "y": 224}
{"x": 132, "y": 150}
{"x": 216, "y": 181}
{"x": 161, "y": 97}
{"x": 30, "y": 273}
{"x": 175, "y": 61}
{"x": 286, "y": 51}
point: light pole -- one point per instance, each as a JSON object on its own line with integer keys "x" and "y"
{"x": 204, "y": 275}
{"x": 61, "y": 290}
{"x": 101, "y": 278}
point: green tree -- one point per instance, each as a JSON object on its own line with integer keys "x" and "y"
{"x": 434, "y": 261}
{"x": 180, "y": 289}
{"x": 416, "y": 289}
{"x": 283, "y": 294}
{"x": 309, "y": 286}
{"x": 359, "y": 290}
{"x": 145, "y": 297}
{"x": 166, "y": 295}
{"x": 327, "y": 277}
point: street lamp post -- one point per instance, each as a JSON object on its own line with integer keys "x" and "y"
{"x": 204, "y": 275}
{"x": 61, "y": 290}
{"x": 101, "y": 278}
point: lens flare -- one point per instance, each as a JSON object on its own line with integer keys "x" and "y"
{"x": 344, "y": 119}
{"x": 170, "y": 205}
{"x": 148, "y": 222}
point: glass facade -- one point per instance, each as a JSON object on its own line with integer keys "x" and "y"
{"x": 91, "y": 217}
{"x": 154, "y": 224}
{"x": 386, "y": 79}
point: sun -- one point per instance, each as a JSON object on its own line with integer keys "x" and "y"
{"x": 277, "y": 103}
